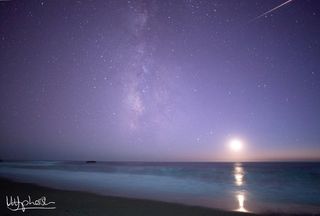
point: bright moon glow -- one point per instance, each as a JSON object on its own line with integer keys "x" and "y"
{"x": 236, "y": 145}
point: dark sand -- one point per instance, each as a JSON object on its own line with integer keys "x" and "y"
{"x": 82, "y": 203}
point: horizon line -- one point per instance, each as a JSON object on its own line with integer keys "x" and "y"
{"x": 170, "y": 161}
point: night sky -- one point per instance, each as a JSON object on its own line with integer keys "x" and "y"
{"x": 159, "y": 80}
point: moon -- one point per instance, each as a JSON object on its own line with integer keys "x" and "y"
{"x": 236, "y": 145}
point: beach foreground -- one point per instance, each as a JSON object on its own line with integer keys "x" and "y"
{"x": 82, "y": 203}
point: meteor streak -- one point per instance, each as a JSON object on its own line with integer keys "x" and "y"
{"x": 273, "y": 9}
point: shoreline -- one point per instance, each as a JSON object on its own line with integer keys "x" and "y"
{"x": 75, "y": 202}
{"x": 85, "y": 203}
{"x": 149, "y": 187}
{"x": 69, "y": 202}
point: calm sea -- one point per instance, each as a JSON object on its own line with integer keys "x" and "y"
{"x": 252, "y": 187}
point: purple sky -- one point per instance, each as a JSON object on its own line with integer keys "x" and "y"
{"x": 159, "y": 80}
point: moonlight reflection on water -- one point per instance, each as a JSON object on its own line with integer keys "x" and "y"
{"x": 239, "y": 181}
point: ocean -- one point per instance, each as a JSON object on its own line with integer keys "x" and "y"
{"x": 247, "y": 187}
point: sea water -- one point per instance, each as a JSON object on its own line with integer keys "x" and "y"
{"x": 247, "y": 187}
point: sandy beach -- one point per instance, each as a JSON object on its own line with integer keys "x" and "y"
{"x": 75, "y": 203}
{"x": 81, "y": 203}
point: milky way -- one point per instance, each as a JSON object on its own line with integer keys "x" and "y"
{"x": 159, "y": 80}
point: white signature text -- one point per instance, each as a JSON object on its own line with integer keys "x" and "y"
{"x": 15, "y": 204}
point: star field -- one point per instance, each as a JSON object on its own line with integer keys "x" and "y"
{"x": 159, "y": 80}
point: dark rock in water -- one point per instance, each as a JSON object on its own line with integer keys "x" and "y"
{"x": 89, "y": 162}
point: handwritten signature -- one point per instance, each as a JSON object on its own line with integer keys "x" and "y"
{"x": 14, "y": 203}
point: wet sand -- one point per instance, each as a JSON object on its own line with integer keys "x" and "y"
{"x": 82, "y": 203}
{"x": 75, "y": 203}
